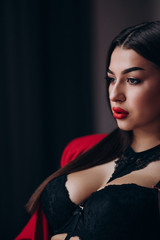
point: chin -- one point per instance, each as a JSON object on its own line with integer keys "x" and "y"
{"x": 125, "y": 127}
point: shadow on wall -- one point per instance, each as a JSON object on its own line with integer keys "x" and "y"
{"x": 46, "y": 97}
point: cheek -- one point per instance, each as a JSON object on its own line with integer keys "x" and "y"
{"x": 147, "y": 101}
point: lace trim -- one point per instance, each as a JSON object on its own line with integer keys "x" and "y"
{"x": 131, "y": 161}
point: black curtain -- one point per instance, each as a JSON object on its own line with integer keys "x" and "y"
{"x": 46, "y": 95}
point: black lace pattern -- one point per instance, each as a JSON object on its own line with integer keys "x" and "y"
{"x": 126, "y": 211}
{"x": 130, "y": 161}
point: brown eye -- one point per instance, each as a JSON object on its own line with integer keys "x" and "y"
{"x": 133, "y": 81}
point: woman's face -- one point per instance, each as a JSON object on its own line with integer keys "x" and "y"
{"x": 135, "y": 88}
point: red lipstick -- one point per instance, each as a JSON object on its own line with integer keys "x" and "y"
{"x": 119, "y": 113}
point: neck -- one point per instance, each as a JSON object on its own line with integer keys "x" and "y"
{"x": 143, "y": 140}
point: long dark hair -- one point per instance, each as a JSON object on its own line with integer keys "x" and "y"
{"x": 144, "y": 39}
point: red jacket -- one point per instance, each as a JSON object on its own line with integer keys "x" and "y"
{"x": 37, "y": 228}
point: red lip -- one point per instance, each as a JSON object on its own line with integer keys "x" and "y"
{"x": 119, "y": 113}
{"x": 119, "y": 110}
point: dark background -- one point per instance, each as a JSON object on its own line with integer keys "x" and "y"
{"x": 52, "y": 64}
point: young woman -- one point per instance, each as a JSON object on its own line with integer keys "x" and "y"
{"x": 111, "y": 191}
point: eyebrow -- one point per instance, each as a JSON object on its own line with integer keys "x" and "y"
{"x": 128, "y": 70}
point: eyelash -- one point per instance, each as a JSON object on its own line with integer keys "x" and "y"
{"x": 130, "y": 80}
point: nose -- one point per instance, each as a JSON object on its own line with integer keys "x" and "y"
{"x": 117, "y": 93}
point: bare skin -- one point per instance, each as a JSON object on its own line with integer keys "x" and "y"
{"x": 62, "y": 237}
{"x": 147, "y": 177}
{"x": 137, "y": 92}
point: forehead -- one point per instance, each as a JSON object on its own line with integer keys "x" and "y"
{"x": 122, "y": 59}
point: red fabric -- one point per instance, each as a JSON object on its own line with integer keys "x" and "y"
{"x": 36, "y": 228}
{"x": 79, "y": 146}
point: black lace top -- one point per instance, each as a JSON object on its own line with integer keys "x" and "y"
{"x": 126, "y": 211}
